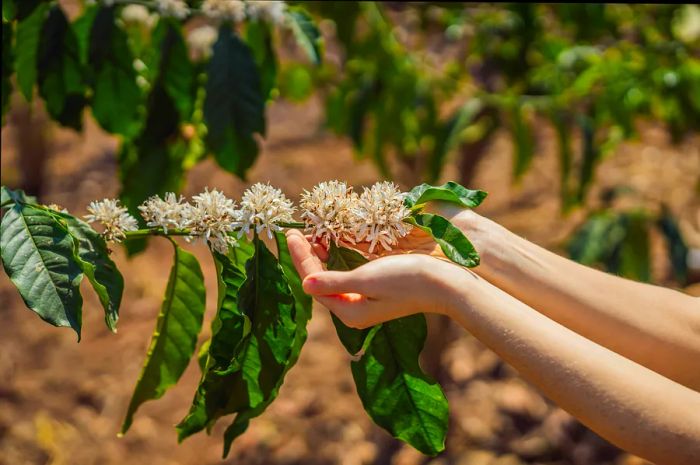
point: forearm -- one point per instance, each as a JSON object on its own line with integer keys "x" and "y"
{"x": 633, "y": 407}
{"x": 656, "y": 327}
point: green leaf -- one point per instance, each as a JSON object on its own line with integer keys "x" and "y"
{"x": 61, "y": 77}
{"x": 344, "y": 259}
{"x": 259, "y": 39}
{"x": 116, "y": 101}
{"x": 93, "y": 259}
{"x": 302, "y": 306}
{"x": 565, "y": 159}
{"x": 449, "y": 133}
{"x": 452, "y": 241}
{"x": 394, "y": 390}
{"x": 448, "y": 192}
{"x": 82, "y": 27}
{"x": 38, "y": 257}
{"x": 595, "y": 241}
{"x": 8, "y": 197}
{"x": 306, "y": 33}
{"x": 27, "y": 47}
{"x": 177, "y": 74}
{"x": 175, "y": 337}
{"x": 259, "y": 362}
{"x": 7, "y": 66}
{"x": 524, "y": 143}
{"x": 234, "y": 107}
{"x": 591, "y": 156}
{"x": 633, "y": 259}
{"x": 677, "y": 248}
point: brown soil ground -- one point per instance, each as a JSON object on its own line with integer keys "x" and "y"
{"x": 62, "y": 402}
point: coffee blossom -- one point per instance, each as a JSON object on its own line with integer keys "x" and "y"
{"x": 269, "y": 11}
{"x": 212, "y": 217}
{"x": 327, "y": 211}
{"x": 169, "y": 212}
{"x": 138, "y": 15}
{"x": 173, "y": 8}
{"x": 201, "y": 40}
{"x": 115, "y": 218}
{"x": 262, "y": 207}
{"x": 379, "y": 214}
{"x": 232, "y": 10}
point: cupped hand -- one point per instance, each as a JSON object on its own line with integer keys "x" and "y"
{"x": 383, "y": 289}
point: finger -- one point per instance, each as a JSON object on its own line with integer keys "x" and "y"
{"x": 305, "y": 260}
{"x": 334, "y": 282}
{"x": 321, "y": 251}
{"x": 350, "y": 308}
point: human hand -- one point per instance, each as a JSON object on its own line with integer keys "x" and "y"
{"x": 384, "y": 289}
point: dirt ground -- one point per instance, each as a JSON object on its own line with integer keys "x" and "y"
{"x": 62, "y": 402}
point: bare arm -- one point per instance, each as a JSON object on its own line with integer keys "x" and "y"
{"x": 635, "y": 408}
{"x": 630, "y": 405}
{"x": 656, "y": 327}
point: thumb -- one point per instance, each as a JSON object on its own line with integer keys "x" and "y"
{"x": 334, "y": 282}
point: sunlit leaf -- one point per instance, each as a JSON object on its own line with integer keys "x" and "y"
{"x": 38, "y": 257}
{"x": 448, "y": 192}
{"x": 306, "y": 33}
{"x": 452, "y": 241}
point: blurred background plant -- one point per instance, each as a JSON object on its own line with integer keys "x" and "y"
{"x": 424, "y": 91}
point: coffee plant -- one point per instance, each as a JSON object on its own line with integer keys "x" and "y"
{"x": 260, "y": 324}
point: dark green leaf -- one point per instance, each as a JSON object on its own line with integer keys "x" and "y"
{"x": 175, "y": 337}
{"x": 61, "y": 77}
{"x": 524, "y": 143}
{"x": 234, "y": 107}
{"x": 27, "y": 47}
{"x": 448, "y": 192}
{"x": 176, "y": 72}
{"x": 260, "y": 360}
{"x": 633, "y": 259}
{"x": 394, "y": 390}
{"x": 677, "y": 248}
{"x": 452, "y": 241}
{"x": 591, "y": 157}
{"x": 93, "y": 259}
{"x": 38, "y": 256}
{"x": 259, "y": 39}
{"x": 7, "y": 66}
{"x": 344, "y": 259}
{"x": 81, "y": 28}
{"x": 15, "y": 196}
{"x": 306, "y": 33}
{"x": 595, "y": 241}
{"x": 116, "y": 102}
{"x": 302, "y": 306}
{"x": 565, "y": 158}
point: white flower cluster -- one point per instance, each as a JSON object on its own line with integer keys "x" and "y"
{"x": 332, "y": 211}
{"x": 114, "y": 218}
{"x": 138, "y": 15}
{"x": 201, "y": 40}
{"x": 213, "y": 217}
{"x": 262, "y": 207}
{"x": 231, "y": 10}
{"x": 271, "y": 11}
{"x": 173, "y": 8}
{"x": 171, "y": 212}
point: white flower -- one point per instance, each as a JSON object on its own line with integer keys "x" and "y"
{"x": 328, "y": 211}
{"x": 170, "y": 212}
{"x": 262, "y": 206}
{"x": 271, "y": 11}
{"x": 201, "y": 40}
{"x": 233, "y": 10}
{"x": 212, "y": 217}
{"x": 56, "y": 207}
{"x": 115, "y": 218}
{"x": 174, "y": 8}
{"x": 379, "y": 214}
{"x": 137, "y": 15}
